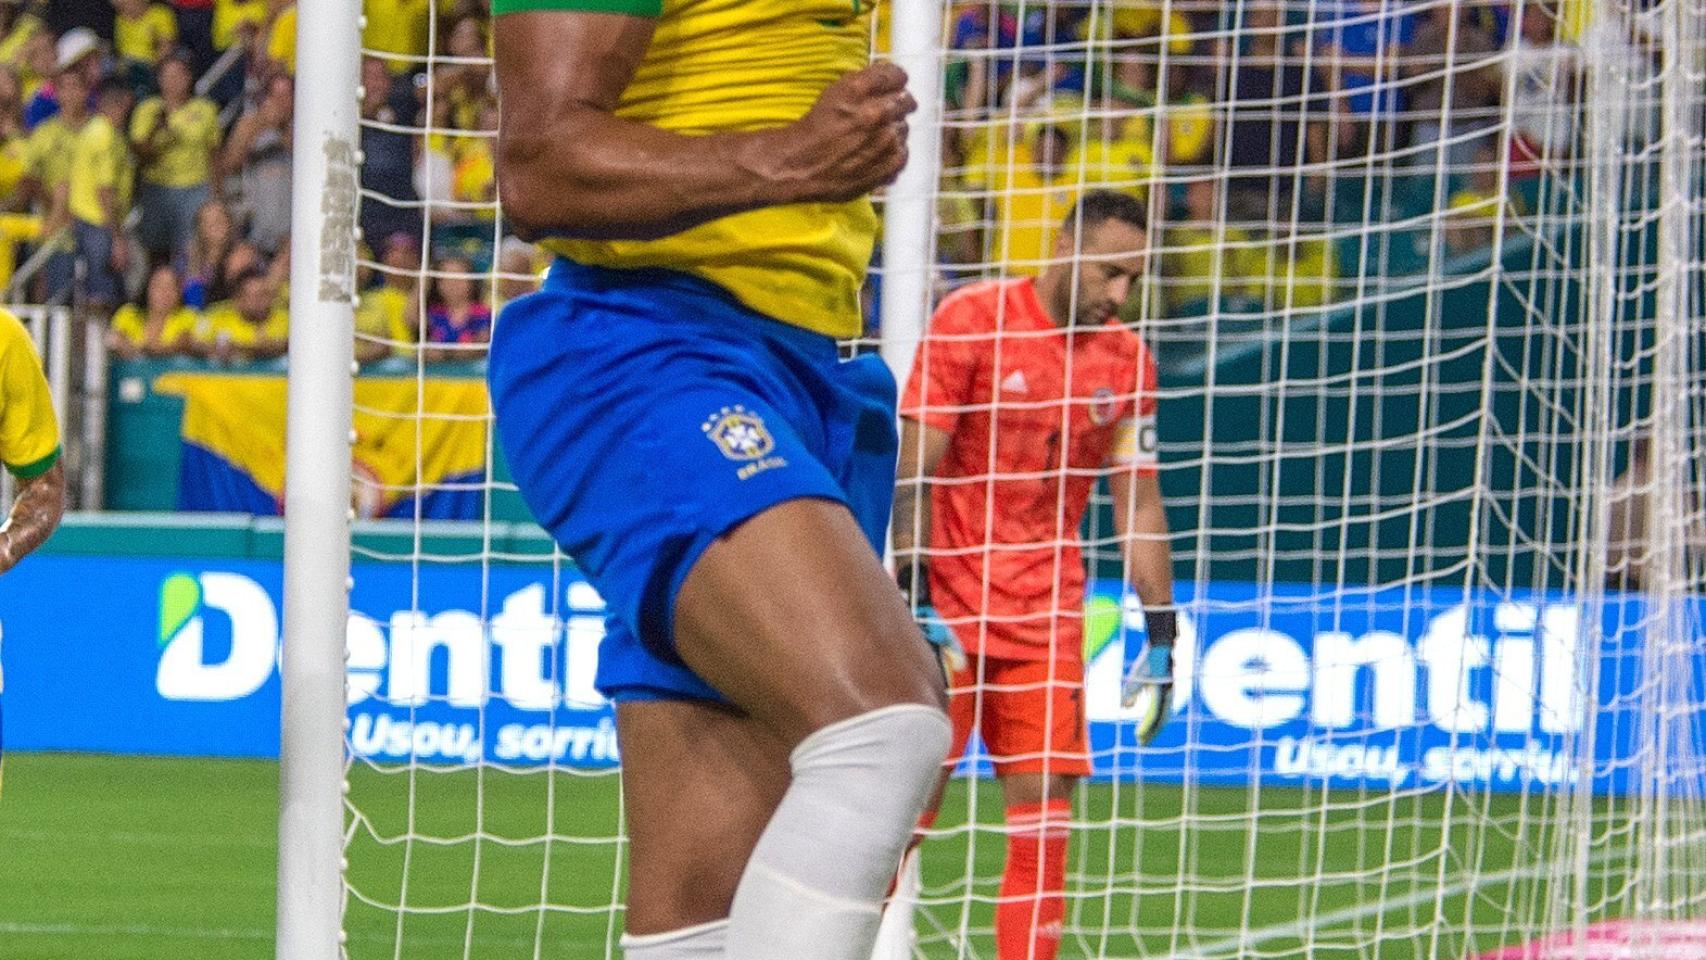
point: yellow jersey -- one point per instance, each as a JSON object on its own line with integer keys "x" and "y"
{"x": 100, "y": 160}
{"x": 141, "y": 39}
{"x": 744, "y": 65}
{"x": 47, "y": 152}
{"x": 29, "y": 432}
{"x": 185, "y": 147}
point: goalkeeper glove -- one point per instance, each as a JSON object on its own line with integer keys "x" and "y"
{"x": 914, "y": 580}
{"x": 1148, "y": 687}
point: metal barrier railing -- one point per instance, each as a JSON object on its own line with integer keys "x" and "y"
{"x": 44, "y": 251}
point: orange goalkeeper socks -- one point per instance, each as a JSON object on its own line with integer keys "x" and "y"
{"x": 1033, "y": 887}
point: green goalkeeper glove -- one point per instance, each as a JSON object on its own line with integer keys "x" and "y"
{"x": 1148, "y": 687}
{"x": 914, "y": 580}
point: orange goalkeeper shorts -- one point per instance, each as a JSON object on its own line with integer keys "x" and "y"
{"x": 1030, "y": 714}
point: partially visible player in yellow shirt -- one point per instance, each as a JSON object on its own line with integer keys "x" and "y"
{"x": 143, "y": 31}
{"x": 29, "y": 445}
{"x": 29, "y": 448}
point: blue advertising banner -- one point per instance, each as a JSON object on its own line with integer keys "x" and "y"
{"x": 1398, "y": 687}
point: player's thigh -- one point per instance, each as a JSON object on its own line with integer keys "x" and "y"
{"x": 1034, "y": 725}
{"x": 700, "y": 783}
{"x": 793, "y": 618}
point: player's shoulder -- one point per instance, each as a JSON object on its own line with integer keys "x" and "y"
{"x": 975, "y": 306}
{"x": 15, "y": 339}
{"x": 1124, "y": 342}
{"x": 12, "y": 330}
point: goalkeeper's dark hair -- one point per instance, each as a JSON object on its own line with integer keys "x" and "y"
{"x": 1099, "y": 206}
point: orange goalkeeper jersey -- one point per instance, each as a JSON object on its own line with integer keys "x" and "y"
{"x": 1036, "y": 413}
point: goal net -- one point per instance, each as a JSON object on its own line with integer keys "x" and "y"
{"x": 1425, "y": 300}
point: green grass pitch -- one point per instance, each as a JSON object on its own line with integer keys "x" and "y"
{"x": 156, "y": 859}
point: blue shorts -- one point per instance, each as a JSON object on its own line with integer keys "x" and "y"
{"x": 646, "y": 413}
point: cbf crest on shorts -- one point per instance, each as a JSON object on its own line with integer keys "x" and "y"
{"x": 738, "y": 434}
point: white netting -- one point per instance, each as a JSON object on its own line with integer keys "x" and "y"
{"x": 1426, "y": 310}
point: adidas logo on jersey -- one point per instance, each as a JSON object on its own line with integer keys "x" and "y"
{"x": 1015, "y": 383}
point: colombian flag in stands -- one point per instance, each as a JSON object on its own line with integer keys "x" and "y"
{"x": 414, "y": 441}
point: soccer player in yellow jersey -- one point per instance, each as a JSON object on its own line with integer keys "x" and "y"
{"x": 29, "y": 447}
{"x": 676, "y": 414}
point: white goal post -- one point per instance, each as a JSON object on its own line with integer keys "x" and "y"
{"x": 317, "y": 512}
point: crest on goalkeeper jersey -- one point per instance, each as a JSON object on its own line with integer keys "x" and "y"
{"x": 1103, "y": 405}
{"x": 739, "y": 434}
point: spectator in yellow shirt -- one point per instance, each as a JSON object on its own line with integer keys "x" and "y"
{"x": 99, "y": 193}
{"x": 48, "y": 178}
{"x": 386, "y": 317}
{"x": 144, "y": 32}
{"x": 176, "y": 138}
{"x": 161, "y": 327}
{"x": 249, "y": 326}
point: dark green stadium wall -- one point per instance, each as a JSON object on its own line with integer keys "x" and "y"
{"x": 1350, "y": 451}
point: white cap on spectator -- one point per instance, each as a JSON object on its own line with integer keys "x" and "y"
{"x": 76, "y": 44}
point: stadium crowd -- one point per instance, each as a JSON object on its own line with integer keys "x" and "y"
{"x": 148, "y": 146}
{"x": 1285, "y": 137}
{"x": 148, "y": 143}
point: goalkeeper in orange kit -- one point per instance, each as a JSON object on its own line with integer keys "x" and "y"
{"x": 1024, "y": 393}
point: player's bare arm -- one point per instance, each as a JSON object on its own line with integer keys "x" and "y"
{"x": 921, "y": 450}
{"x": 1140, "y": 520}
{"x": 568, "y": 166}
{"x": 36, "y": 511}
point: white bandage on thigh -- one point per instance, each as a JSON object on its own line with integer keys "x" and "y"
{"x": 707, "y": 941}
{"x": 814, "y": 887}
